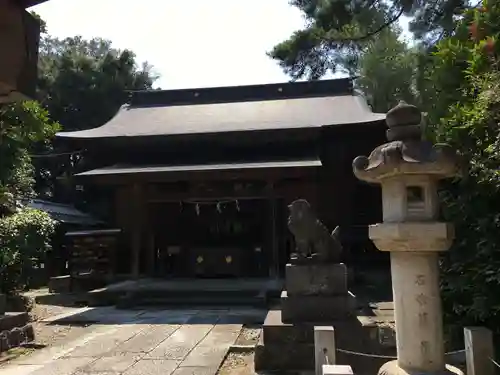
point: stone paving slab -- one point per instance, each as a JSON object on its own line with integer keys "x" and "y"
{"x": 64, "y": 366}
{"x": 117, "y": 363}
{"x": 146, "y": 340}
{"x": 20, "y": 369}
{"x": 144, "y": 345}
{"x": 195, "y": 371}
{"x": 171, "y": 318}
{"x": 205, "y": 356}
{"x": 180, "y": 343}
{"x": 211, "y": 351}
{"x": 50, "y": 354}
{"x": 153, "y": 367}
{"x": 224, "y": 334}
{"x": 106, "y": 342}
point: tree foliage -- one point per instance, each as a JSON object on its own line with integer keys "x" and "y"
{"x": 335, "y": 28}
{"x": 83, "y": 82}
{"x": 385, "y": 72}
{"x": 464, "y": 105}
{"x": 453, "y": 74}
{"x": 22, "y": 125}
{"x": 24, "y": 233}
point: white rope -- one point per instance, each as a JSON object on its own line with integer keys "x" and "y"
{"x": 386, "y": 356}
{"x": 495, "y": 362}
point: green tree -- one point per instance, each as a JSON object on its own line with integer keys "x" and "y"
{"x": 464, "y": 109}
{"x": 386, "y": 70}
{"x": 84, "y": 82}
{"x": 338, "y": 27}
{"x": 24, "y": 233}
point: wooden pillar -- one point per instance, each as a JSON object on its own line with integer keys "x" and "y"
{"x": 148, "y": 232}
{"x": 151, "y": 254}
{"x": 274, "y": 266}
{"x": 136, "y": 229}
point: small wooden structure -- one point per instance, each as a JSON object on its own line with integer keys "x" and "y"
{"x": 92, "y": 257}
{"x": 69, "y": 219}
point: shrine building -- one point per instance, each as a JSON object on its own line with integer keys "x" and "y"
{"x": 198, "y": 180}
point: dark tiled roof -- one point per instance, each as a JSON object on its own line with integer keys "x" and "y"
{"x": 63, "y": 213}
{"x": 96, "y": 232}
{"x": 127, "y": 169}
{"x": 233, "y": 109}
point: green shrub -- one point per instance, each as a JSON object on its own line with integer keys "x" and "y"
{"x": 465, "y": 111}
{"x": 24, "y": 240}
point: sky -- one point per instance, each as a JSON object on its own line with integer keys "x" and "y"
{"x": 195, "y": 43}
{"x": 189, "y": 43}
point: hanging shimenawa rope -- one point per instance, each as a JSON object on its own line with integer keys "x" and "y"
{"x": 218, "y": 204}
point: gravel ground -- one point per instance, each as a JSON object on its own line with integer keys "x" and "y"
{"x": 238, "y": 364}
{"x": 249, "y": 335}
{"x": 53, "y": 334}
{"x": 47, "y": 334}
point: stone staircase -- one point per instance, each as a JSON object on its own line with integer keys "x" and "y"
{"x": 187, "y": 293}
{"x": 181, "y": 299}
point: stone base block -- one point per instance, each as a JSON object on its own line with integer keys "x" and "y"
{"x": 284, "y": 346}
{"x": 316, "y": 279}
{"x": 317, "y": 308}
{"x": 289, "y": 356}
{"x": 16, "y": 336}
{"x": 13, "y": 319}
{"x": 60, "y": 284}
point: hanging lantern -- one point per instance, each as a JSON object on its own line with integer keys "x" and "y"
{"x": 237, "y": 206}
{"x": 219, "y": 208}
{"x": 197, "y": 208}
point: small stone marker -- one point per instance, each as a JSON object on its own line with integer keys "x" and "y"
{"x": 337, "y": 370}
{"x": 479, "y": 351}
{"x": 3, "y": 304}
{"x": 324, "y": 347}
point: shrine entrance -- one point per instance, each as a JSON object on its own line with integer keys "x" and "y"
{"x": 215, "y": 238}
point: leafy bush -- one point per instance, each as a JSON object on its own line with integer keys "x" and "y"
{"x": 24, "y": 239}
{"x": 24, "y": 233}
{"x": 465, "y": 108}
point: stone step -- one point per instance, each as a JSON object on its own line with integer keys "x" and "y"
{"x": 186, "y": 301}
{"x": 172, "y": 293}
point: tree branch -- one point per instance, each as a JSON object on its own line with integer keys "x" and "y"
{"x": 371, "y": 33}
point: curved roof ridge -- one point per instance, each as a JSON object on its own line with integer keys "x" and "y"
{"x": 306, "y": 110}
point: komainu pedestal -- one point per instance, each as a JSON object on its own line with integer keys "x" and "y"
{"x": 315, "y": 294}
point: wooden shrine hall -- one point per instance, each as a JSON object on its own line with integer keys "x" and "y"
{"x": 198, "y": 180}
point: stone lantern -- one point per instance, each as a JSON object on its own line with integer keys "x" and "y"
{"x": 408, "y": 169}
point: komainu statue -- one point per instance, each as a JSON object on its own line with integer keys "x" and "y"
{"x": 313, "y": 241}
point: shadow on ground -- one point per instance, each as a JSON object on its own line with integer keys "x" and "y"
{"x": 111, "y": 315}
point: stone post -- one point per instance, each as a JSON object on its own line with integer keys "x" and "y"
{"x": 3, "y": 304}
{"x": 408, "y": 169}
